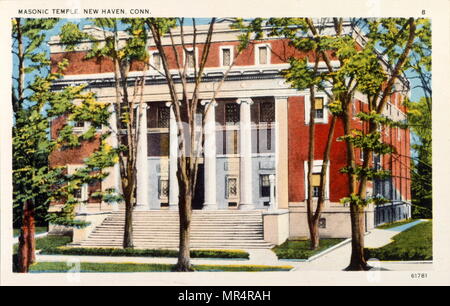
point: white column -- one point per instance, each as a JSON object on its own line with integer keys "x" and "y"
{"x": 246, "y": 180}
{"x": 115, "y": 143}
{"x": 210, "y": 155}
{"x": 281, "y": 152}
{"x": 173, "y": 160}
{"x": 142, "y": 202}
{"x": 273, "y": 204}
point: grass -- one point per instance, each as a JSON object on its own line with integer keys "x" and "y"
{"x": 48, "y": 242}
{"x": 293, "y": 249}
{"x": 144, "y": 252}
{"x": 52, "y": 267}
{"x": 39, "y": 230}
{"x": 415, "y": 243}
{"x": 396, "y": 223}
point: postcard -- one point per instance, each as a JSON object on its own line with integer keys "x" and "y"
{"x": 261, "y": 143}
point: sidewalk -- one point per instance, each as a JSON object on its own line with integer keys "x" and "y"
{"x": 339, "y": 259}
{"x": 257, "y": 257}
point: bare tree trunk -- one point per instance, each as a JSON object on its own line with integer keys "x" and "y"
{"x": 357, "y": 259}
{"x": 128, "y": 229}
{"x": 185, "y": 213}
{"x": 313, "y": 231}
{"x": 26, "y": 251}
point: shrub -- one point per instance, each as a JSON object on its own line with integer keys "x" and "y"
{"x": 144, "y": 252}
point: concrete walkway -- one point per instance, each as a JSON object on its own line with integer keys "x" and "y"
{"x": 257, "y": 257}
{"x": 339, "y": 259}
{"x": 335, "y": 260}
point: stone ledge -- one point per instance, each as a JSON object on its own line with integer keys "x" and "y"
{"x": 275, "y": 212}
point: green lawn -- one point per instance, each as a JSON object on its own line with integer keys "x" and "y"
{"x": 131, "y": 267}
{"x": 394, "y": 224}
{"x": 39, "y": 230}
{"x": 415, "y": 243}
{"x": 300, "y": 249}
{"x": 49, "y": 242}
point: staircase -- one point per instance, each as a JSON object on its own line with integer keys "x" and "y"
{"x": 159, "y": 229}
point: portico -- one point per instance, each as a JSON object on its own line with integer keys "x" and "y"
{"x": 238, "y": 168}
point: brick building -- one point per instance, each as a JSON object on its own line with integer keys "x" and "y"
{"x": 257, "y": 136}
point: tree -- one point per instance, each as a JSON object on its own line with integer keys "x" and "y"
{"x": 30, "y": 144}
{"x": 419, "y": 119}
{"x": 393, "y": 38}
{"x": 186, "y": 105}
{"x": 36, "y": 184}
{"x": 123, "y": 52}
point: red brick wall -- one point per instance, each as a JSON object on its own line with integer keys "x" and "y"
{"x": 298, "y": 153}
{"x": 280, "y": 53}
{"x": 72, "y": 155}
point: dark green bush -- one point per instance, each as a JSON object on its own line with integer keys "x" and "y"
{"x": 143, "y": 252}
{"x": 292, "y": 249}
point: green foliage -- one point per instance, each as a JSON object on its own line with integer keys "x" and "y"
{"x": 419, "y": 117}
{"x": 415, "y": 243}
{"x": 370, "y": 141}
{"x": 301, "y": 249}
{"x": 381, "y": 120}
{"x": 369, "y": 172}
{"x": 144, "y": 252}
{"x": 71, "y": 35}
{"x": 48, "y": 242}
{"x": 33, "y": 32}
{"x": 133, "y": 267}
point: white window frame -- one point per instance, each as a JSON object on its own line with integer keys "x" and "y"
{"x": 84, "y": 188}
{"x": 185, "y": 57}
{"x": 83, "y": 129}
{"x": 152, "y": 62}
{"x": 257, "y": 47}
{"x": 308, "y": 108}
{"x": 231, "y": 48}
{"x": 317, "y": 168}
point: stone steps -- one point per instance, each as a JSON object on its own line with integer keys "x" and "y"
{"x": 160, "y": 229}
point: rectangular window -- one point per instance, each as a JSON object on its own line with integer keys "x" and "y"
{"x": 78, "y": 124}
{"x": 81, "y": 194}
{"x": 265, "y": 185}
{"x": 163, "y": 117}
{"x": 262, "y": 55}
{"x": 232, "y": 113}
{"x": 158, "y": 144}
{"x": 231, "y": 141}
{"x": 319, "y": 108}
{"x": 316, "y": 184}
{"x": 77, "y": 194}
{"x": 267, "y": 112}
{"x": 226, "y": 57}
{"x": 190, "y": 58}
{"x": 157, "y": 60}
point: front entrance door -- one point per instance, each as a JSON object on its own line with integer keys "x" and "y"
{"x": 199, "y": 197}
